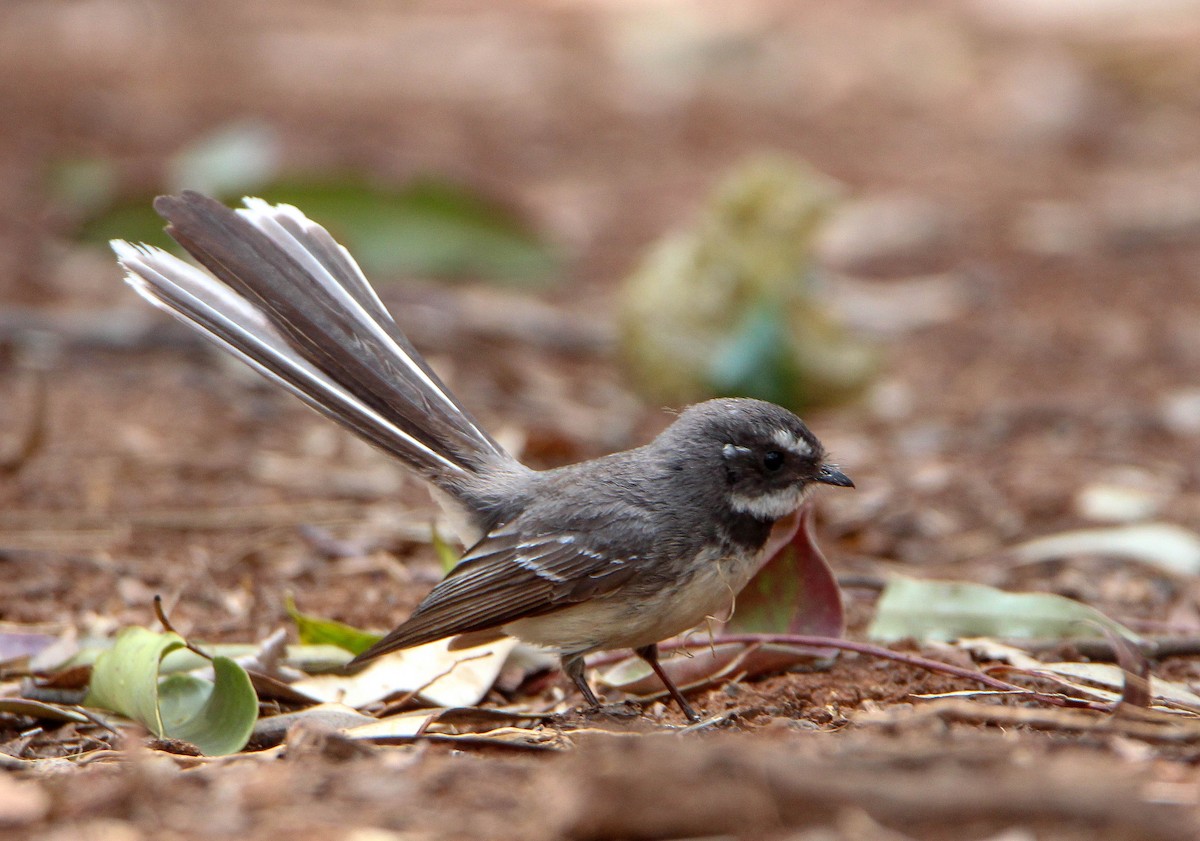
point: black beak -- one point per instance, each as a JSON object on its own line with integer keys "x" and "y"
{"x": 830, "y": 475}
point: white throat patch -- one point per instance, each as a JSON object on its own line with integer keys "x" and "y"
{"x": 770, "y": 506}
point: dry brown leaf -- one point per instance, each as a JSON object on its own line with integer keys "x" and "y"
{"x": 430, "y": 672}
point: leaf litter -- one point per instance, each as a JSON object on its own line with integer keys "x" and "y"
{"x": 790, "y": 617}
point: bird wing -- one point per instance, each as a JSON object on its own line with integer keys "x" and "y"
{"x": 505, "y": 577}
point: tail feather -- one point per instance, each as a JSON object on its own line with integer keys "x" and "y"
{"x": 324, "y": 258}
{"x": 291, "y": 302}
{"x": 308, "y": 239}
{"x": 227, "y": 320}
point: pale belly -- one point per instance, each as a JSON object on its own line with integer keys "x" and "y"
{"x": 626, "y": 620}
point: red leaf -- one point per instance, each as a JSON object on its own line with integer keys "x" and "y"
{"x": 795, "y": 592}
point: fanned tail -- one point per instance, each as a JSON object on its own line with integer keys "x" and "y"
{"x": 293, "y": 304}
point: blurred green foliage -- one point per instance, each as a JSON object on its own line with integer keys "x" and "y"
{"x": 430, "y": 227}
{"x": 733, "y": 307}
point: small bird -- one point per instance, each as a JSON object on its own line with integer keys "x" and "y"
{"x": 621, "y": 551}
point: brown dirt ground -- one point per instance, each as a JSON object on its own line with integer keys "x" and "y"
{"x": 163, "y": 470}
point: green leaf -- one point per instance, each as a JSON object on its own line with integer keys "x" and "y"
{"x": 313, "y": 630}
{"x": 947, "y": 610}
{"x": 125, "y": 679}
{"x": 447, "y": 555}
{"x": 217, "y": 716}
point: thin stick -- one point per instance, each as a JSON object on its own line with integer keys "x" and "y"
{"x": 900, "y": 657}
{"x": 161, "y": 613}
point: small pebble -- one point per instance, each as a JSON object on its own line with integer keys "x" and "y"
{"x": 1123, "y": 496}
{"x": 1106, "y": 503}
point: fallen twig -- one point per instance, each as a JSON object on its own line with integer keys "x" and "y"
{"x": 901, "y": 657}
{"x": 1176, "y": 730}
{"x": 1103, "y": 649}
{"x": 163, "y": 620}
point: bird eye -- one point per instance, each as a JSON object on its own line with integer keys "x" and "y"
{"x": 773, "y": 460}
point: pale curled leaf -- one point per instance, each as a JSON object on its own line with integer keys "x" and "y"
{"x": 428, "y": 723}
{"x": 439, "y": 676}
{"x": 1136, "y": 667}
{"x": 947, "y": 610}
{"x": 985, "y": 648}
{"x": 41, "y": 710}
{"x": 400, "y": 726}
{"x": 333, "y": 716}
{"x": 1164, "y": 545}
{"x": 484, "y": 719}
{"x": 518, "y": 738}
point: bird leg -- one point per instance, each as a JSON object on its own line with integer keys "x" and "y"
{"x": 572, "y": 666}
{"x": 649, "y": 653}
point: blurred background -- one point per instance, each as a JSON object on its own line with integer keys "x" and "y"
{"x": 963, "y": 238}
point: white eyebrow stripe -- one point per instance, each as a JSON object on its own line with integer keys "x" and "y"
{"x": 789, "y": 441}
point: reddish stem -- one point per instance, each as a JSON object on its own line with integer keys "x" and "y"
{"x": 886, "y": 653}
